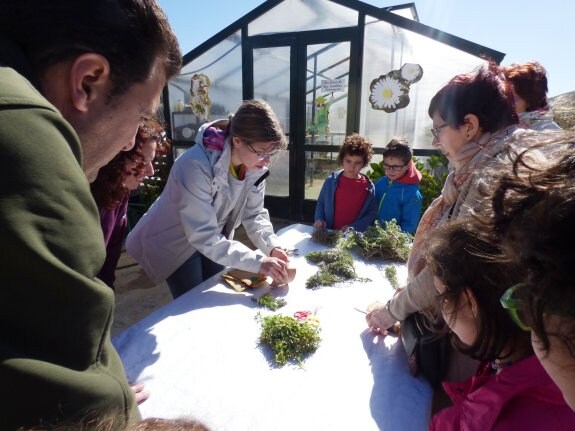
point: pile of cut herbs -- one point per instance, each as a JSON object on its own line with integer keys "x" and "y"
{"x": 326, "y": 236}
{"x": 290, "y": 339}
{"x": 387, "y": 242}
{"x": 335, "y": 265}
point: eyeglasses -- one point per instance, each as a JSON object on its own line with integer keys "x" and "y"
{"x": 514, "y": 306}
{"x": 435, "y": 131}
{"x": 394, "y": 167}
{"x": 261, "y": 155}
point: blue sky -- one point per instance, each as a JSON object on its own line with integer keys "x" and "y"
{"x": 534, "y": 30}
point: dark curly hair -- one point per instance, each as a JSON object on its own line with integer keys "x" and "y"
{"x": 533, "y": 214}
{"x": 464, "y": 258}
{"x": 356, "y": 145}
{"x": 108, "y": 189}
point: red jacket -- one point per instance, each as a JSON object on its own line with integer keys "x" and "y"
{"x": 520, "y": 397}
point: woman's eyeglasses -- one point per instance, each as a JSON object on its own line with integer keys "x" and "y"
{"x": 262, "y": 155}
{"x": 394, "y": 167}
{"x": 435, "y": 131}
{"x": 515, "y": 306}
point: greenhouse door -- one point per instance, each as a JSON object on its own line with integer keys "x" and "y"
{"x": 311, "y": 80}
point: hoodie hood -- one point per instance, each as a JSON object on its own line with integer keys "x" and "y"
{"x": 412, "y": 176}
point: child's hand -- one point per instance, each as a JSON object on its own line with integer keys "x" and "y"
{"x": 320, "y": 224}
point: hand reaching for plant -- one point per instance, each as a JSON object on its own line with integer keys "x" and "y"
{"x": 320, "y": 224}
{"x": 378, "y": 318}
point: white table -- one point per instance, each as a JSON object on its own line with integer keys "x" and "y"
{"x": 199, "y": 357}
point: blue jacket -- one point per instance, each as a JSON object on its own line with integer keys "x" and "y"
{"x": 398, "y": 201}
{"x": 325, "y": 208}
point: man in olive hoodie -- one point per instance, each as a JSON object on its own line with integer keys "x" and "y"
{"x": 76, "y": 80}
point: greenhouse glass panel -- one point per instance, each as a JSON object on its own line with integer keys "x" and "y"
{"x": 311, "y": 15}
{"x": 318, "y": 170}
{"x": 208, "y": 88}
{"x": 272, "y": 84}
{"x": 395, "y": 60}
{"x": 326, "y": 111}
{"x": 405, "y": 12}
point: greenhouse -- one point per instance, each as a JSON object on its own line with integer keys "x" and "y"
{"x": 328, "y": 68}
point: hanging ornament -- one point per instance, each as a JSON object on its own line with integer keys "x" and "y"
{"x": 390, "y": 92}
{"x": 199, "y": 97}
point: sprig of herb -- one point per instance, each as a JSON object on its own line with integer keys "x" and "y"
{"x": 290, "y": 339}
{"x": 321, "y": 278}
{"x": 268, "y": 301}
{"x": 391, "y": 275}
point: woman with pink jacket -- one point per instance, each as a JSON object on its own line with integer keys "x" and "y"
{"x": 510, "y": 389}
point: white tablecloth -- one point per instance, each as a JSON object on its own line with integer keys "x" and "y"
{"x": 199, "y": 357}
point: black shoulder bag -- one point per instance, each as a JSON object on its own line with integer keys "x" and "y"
{"x": 427, "y": 351}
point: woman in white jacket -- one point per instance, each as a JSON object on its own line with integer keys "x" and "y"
{"x": 187, "y": 234}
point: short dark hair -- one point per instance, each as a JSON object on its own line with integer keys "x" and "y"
{"x": 485, "y": 93}
{"x": 131, "y": 34}
{"x": 398, "y": 147}
{"x": 462, "y": 257}
{"x": 529, "y": 81}
{"x": 356, "y": 145}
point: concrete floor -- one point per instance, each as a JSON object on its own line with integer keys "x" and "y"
{"x": 137, "y": 296}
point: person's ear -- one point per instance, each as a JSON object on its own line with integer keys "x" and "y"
{"x": 472, "y": 301}
{"x": 236, "y": 141}
{"x": 89, "y": 80}
{"x": 471, "y": 124}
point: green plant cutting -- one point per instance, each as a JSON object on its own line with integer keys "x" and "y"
{"x": 387, "y": 242}
{"x": 335, "y": 265}
{"x": 290, "y": 339}
{"x": 269, "y": 301}
{"x": 326, "y": 236}
{"x": 390, "y": 272}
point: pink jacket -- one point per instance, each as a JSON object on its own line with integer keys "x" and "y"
{"x": 520, "y": 397}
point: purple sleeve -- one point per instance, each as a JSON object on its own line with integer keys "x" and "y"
{"x": 114, "y": 224}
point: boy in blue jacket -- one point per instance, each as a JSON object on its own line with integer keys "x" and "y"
{"x": 397, "y": 192}
{"x": 347, "y": 197}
